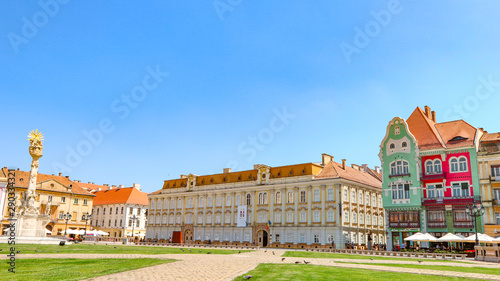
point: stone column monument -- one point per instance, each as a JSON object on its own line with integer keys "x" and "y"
{"x": 30, "y": 223}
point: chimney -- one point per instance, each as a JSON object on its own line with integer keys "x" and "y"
{"x": 137, "y": 186}
{"x": 98, "y": 189}
{"x": 227, "y": 170}
{"x": 433, "y": 116}
{"x": 60, "y": 174}
{"x": 365, "y": 168}
{"x": 121, "y": 186}
{"x": 106, "y": 184}
{"x": 113, "y": 186}
{"x": 377, "y": 169}
{"x": 343, "y": 163}
{"x": 67, "y": 177}
{"x": 355, "y": 167}
{"x": 428, "y": 112}
{"x": 325, "y": 158}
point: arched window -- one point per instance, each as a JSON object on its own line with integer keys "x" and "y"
{"x": 400, "y": 167}
{"x": 354, "y": 217}
{"x": 249, "y": 199}
{"x": 277, "y": 199}
{"x": 393, "y": 168}
{"x": 392, "y": 146}
{"x": 404, "y": 144}
{"x": 437, "y": 167}
{"x": 454, "y": 164}
{"x": 265, "y": 198}
{"x": 353, "y": 196}
{"x": 462, "y": 164}
{"x": 200, "y": 202}
{"x": 260, "y": 199}
{"x": 429, "y": 167}
{"x": 238, "y": 200}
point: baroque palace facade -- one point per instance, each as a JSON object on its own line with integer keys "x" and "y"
{"x": 297, "y": 206}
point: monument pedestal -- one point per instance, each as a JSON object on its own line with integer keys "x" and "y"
{"x": 32, "y": 225}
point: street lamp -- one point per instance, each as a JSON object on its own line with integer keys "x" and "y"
{"x": 86, "y": 217}
{"x": 476, "y": 211}
{"x": 67, "y": 217}
{"x": 134, "y": 218}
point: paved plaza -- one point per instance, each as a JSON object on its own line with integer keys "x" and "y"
{"x": 227, "y": 267}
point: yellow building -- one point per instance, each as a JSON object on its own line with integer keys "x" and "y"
{"x": 489, "y": 174}
{"x": 56, "y": 196}
{"x": 309, "y": 205}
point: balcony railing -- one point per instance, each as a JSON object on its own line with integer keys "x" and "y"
{"x": 436, "y": 224}
{"x": 399, "y": 175}
{"x": 433, "y": 176}
{"x": 463, "y": 224}
{"x": 448, "y": 200}
{"x": 404, "y": 224}
{"x": 494, "y": 178}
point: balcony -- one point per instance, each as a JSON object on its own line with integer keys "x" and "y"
{"x": 399, "y": 175}
{"x": 463, "y": 224}
{"x": 433, "y": 176}
{"x": 494, "y": 178}
{"x": 448, "y": 200}
{"x": 404, "y": 224}
{"x": 436, "y": 224}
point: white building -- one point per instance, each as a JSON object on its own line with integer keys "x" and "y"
{"x": 307, "y": 205}
{"x": 119, "y": 211}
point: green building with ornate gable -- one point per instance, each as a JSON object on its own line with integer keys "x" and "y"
{"x": 401, "y": 189}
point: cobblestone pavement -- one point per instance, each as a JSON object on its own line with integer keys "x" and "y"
{"x": 227, "y": 267}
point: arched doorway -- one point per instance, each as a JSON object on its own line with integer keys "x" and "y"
{"x": 262, "y": 238}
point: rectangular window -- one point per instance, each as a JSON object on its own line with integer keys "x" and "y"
{"x": 316, "y": 238}
{"x": 456, "y": 189}
{"x": 316, "y": 196}
{"x": 329, "y": 194}
{"x": 495, "y": 172}
{"x": 228, "y": 200}
{"x": 290, "y": 197}
{"x": 116, "y": 222}
{"x": 277, "y": 238}
{"x": 330, "y": 216}
{"x": 407, "y": 191}
{"x": 302, "y": 197}
{"x": 303, "y": 216}
{"x": 316, "y": 216}
{"x": 49, "y": 199}
{"x": 63, "y": 199}
{"x": 289, "y": 238}
{"x": 465, "y": 189}
{"x": 302, "y": 238}
{"x": 75, "y": 215}
{"x": 85, "y": 202}
{"x": 76, "y": 201}
{"x": 131, "y": 211}
{"x": 394, "y": 192}
{"x": 496, "y": 194}
{"x": 289, "y": 217}
{"x": 400, "y": 191}
{"x": 431, "y": 192}
{"x": 277, "y": 217}
{"x": 498, "y": 218}
{"x": 61, "y": 214}
{"x": 439, "y": 191}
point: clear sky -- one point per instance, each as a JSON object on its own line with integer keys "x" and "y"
{"x": 140, "y": 92}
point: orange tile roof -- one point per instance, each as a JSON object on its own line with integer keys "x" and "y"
{"x": 157, "y": 192}
{"x": 432, "y": 135}
{"x": 335, "y": 170}
{"x": 22, "y": 180}
{"x": 458, "y": 128}
{"x": 492, "y": 137}
{"x": 93, "y": 187}
{"x": 424, "y": 131}
{"x": 128, "y": 195}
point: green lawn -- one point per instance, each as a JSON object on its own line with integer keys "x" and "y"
{"x": 71, "y": 269}
{"x": 482, "y": 270}
{"x": 316, "y": 255}
{"x": 109, "y": 249}
{"x": 318, "y": 272}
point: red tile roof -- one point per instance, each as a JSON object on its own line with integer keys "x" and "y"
{"x": 128, "y": 195}
{"x": 493, "y": 137}
{"x": 432, "y": 135}
{"x": 22, "y": 180}
{"x": 335, "y": 170}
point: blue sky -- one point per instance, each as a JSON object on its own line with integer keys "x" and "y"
{"x": 142, "y": 92}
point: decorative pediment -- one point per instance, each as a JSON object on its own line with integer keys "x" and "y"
{"x": 52, "y": 185}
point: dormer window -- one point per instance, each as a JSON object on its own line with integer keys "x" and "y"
{"x": 404, "y": 144}
{"x": 392, "y": 146}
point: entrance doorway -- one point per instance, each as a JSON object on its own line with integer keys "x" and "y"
{"x": 263, "y": 238}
